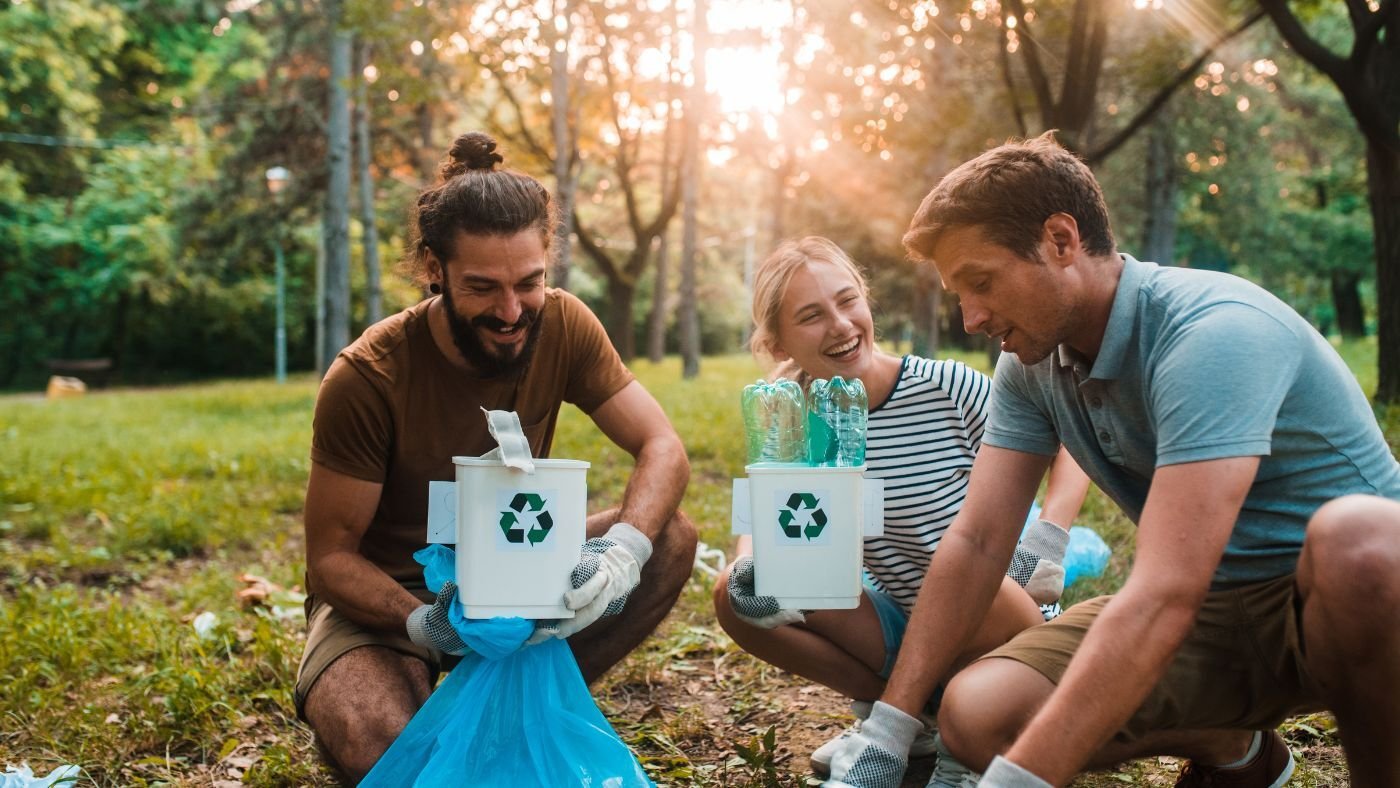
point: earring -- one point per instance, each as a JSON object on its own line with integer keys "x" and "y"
{"x": 434, "y": 288}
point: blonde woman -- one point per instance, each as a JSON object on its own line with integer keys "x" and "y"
{"x": 811, "y": 313}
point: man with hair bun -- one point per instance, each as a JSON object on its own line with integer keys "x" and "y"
{"x": 1266, "y": 577}
{"x": 404, "y": 398}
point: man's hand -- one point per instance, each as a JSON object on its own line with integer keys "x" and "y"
{"x": 877, "y": 755}
{"x": 760, "y": 611}
{"x": 609, "y": 567}
{"x": 430, "y": 627}
{"x": 1038, "y": 565}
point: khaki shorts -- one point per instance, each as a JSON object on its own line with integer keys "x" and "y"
{"x": 330, "y": 635}
{"x": 1241, "y": 668}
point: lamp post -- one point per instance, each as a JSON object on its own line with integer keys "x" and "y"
{"x": 277, "y": 178}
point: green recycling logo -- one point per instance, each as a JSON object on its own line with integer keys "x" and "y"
{"x": 802, "y": 516}
{"x": 525, "y": 519}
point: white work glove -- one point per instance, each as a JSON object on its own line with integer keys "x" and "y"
{"x": 760, "y": 611}
{"x": 430, "y": 627}
{"x": 876, "y": 755}
{"x": 1038, "y": 565}
{"x": 1005, "y": 774}
{"x": 609, "y": 567}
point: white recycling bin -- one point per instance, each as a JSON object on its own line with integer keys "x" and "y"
{"x": 518, "y": 536}
{"x": 808, "y": 534}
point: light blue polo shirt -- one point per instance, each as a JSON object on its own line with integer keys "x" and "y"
{"x": 1199, "y": 365}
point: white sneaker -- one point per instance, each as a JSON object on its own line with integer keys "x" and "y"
{"x": 924, "y": 743}
{"x": 948, "y": 773}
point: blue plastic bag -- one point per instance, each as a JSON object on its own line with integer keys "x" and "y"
{"x": 1086, "y": 556}
{"x": 506, "y": 716}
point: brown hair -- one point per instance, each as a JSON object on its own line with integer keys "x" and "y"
{"x": 473, "y": 196}
{"x": 1009, "y": 192}
{"x": 770, "y": 283}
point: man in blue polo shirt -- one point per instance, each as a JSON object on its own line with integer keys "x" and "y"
{"x": 1267, "y": 573}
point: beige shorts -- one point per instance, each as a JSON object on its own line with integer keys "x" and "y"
{"x": 1241, "y": 668}
{"x": 330, "y": 635}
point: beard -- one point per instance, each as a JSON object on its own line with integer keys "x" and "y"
{"x": 489, "y": 359}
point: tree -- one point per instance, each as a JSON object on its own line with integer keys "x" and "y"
{"x": 369, "y": 242}
{"x": 336, "y": 226}
{"x": 690, "y": 180}
{"x": 1366, "y": 78}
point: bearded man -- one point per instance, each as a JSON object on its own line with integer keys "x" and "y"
{"x": 407, "y": 396}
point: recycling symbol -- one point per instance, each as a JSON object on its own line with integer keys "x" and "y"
{"x": 802, "y": 517}
{"x": 526, "y": 508}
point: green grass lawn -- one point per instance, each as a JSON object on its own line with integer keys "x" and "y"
{"x": 125, "y": 514}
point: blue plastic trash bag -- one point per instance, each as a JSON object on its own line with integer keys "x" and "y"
{"x": 23, "y": 777}
{"x": 1086, "y": 556}
{"x": 506, "y": 717}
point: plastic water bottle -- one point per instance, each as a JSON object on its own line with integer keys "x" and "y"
{"x": 836, "y": 417}
{"x": 774, "y": 422}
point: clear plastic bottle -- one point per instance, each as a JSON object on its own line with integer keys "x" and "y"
{"x": 836, "y": 415}
{"x": 774, "y": 426}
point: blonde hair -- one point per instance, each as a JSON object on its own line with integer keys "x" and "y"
{"x": 770, "y": 284}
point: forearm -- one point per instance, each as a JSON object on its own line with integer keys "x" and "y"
{"x": 658, "y": 482}
{"x": 938, "y": 631}
{"x": 1123, "y": 656}
{"x": 362, "y": 592}
{"x": 1064, "y": 491}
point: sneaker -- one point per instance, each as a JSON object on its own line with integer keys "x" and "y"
{"x": 922, "y": 746}
{"x": 948, "y": 773}
{"x": 1269, "y": 768}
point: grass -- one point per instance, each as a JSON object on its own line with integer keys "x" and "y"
{"x": 125, "y": 514}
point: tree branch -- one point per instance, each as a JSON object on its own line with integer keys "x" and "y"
{"x": 1305, "y": 45}
{"x": 593, "y": 249}
{"x": 522, "y": 132}
{"x": 1005, "y": 58}
{"x": 623, "y": 158}
{"x": 1368, "y": 29}
{"x": 1040, "y": 83}
{"x": 1162, "y": 96}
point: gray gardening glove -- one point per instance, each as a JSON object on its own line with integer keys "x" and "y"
{"x": 609, "y": 567}
{"x": 876, "y": 755}
{"x": 1038, "y": 565}
{"x": 760, "y": 611}
{"x": 429, "y": 626}
{"x": 1005, "y": 774}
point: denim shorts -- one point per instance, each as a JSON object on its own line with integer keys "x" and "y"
{"x": 893, "y": 621}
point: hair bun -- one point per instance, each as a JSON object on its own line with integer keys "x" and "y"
{"x": 471, "y": 151}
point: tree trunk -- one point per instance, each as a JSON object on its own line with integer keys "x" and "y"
{"x": 1346, "y": 302}
{"x": 1383, "y": 185}
{"x": 656, "y": 321}
{"x": 1159, "y": 228}
{"x": 620, "y": 296}
{"x": 690, "y": 186}
{"x": 563, "y": 145}
{"x": 374, "y": 308}
{"x": 336, "y": 224}
{"x": 428, "y": 153}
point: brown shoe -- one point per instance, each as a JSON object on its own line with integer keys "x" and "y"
{"x": 1269, "y": 768}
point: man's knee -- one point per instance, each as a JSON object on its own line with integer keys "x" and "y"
{"x": 673, "y": 552}
{"x": 1352, "y": 552}
{"x": 986, "y": 705}
{"x": 361, "y": 703}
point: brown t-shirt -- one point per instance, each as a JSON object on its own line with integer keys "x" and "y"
{"x": 393, "y": 409}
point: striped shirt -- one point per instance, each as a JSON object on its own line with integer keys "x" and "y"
{"x": 921, "y": 441}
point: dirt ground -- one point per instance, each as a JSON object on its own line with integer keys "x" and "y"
{"x": 709, "y": 707}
